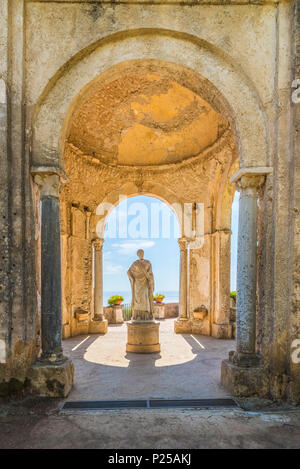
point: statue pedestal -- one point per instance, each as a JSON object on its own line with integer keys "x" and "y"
{"x": 143, "y": 337}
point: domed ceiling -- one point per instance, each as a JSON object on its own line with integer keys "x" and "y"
{"x": 144, "y": 119}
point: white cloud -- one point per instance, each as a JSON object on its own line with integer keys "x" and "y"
{"x": 112, "y": 269}
{"x": 130, "y": 248}
{"x": 107, "y": 254}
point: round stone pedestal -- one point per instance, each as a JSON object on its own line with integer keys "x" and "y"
{"x": 143, "y": 337}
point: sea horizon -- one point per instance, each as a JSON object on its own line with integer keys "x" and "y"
{"x": 171, "y": 296}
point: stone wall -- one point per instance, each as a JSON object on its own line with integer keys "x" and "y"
{"x": 294, "y": 391}
{"x": 19, "y": 292}
{"x": 171, "y": 310}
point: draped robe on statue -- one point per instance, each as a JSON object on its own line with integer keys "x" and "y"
{"x": 142, "y": 286}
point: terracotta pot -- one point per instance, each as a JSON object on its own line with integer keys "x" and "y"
{"x": 158, "y": 300}
{"x": 118, "y": 302}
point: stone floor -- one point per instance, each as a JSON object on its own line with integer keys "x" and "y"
{"x": 153, "y": 429}
{"x": 187, "y": 367}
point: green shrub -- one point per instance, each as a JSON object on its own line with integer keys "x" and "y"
{"x": 158, "y": 295}
{"x": 114, "y": 299}
{"x": 233, "y": 294}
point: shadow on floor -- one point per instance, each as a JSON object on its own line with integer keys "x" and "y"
{"x": 188, "y": 366}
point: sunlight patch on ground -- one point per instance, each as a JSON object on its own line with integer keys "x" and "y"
{"x": 101, "y": 352}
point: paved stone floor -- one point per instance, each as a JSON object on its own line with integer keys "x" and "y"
{"x": 187, "y": 367}
{"x": 153, "y": 429}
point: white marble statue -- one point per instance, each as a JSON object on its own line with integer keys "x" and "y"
{"x": 142, "y": 286}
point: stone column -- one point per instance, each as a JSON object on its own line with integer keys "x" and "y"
{"x": 98, "y": 278}
{"x": 244, "y": 374}
{"x": 221, "y": 327}
{"x": 52, "y": 374}
{"x": 183, "y": 288}
{"x": 99, "y": 324}
{"x": 51, "y": 292}
{"x": 248, "y": 187}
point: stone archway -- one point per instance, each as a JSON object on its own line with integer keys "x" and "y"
{"x": 228, "y": 87}
{"x": 252, "y": 152}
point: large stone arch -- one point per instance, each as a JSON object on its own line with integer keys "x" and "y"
{"x": 230, "y": 89}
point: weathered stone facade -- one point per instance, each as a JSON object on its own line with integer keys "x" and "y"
{"x": 167, "y": 99}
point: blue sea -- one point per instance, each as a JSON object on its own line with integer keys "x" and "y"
{"x": 170, "y": 296}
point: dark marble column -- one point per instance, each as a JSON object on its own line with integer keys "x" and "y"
{"x": 51, "y": 292}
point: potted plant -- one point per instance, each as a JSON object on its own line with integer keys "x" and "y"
{"x": 115, "y": 300}
{"x": 233, "y": 296}
{"x": 158, "y": 297}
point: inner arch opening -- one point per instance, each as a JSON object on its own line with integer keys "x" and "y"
{"x": 141, "y": 222}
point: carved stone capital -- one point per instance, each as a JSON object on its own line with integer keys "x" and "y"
{"x": 183, "y": 243}
{"x": 49, "y": 180}
{"x": 249, "y": 180}
{"x": 49, "y": 185}
{"x": 249, "y": 185}
{"x": 98, "y": 243}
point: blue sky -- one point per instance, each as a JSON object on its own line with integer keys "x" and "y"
{"x": 143, "y": 228}
{"x": 234, "y": 229}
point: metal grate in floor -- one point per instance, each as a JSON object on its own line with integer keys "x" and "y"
{"x": 192, "y": 403}
{"x": 149, "y": 403}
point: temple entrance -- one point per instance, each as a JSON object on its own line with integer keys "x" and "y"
{"x": 147, "y": 127}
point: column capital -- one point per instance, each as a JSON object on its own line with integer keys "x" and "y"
{"x": 183, "y": 243}
{"x": 249, "y": 180}
{"x": 249, "y": 185}
{"x": 98, "y": 243}
{"x": 49, "y": 179}
{"x": 251, "y": 171}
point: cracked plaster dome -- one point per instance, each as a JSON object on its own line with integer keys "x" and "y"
{"x": 144, "y": 119}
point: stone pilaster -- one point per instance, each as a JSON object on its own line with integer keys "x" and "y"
{"x": 221, "y": 327}
{"x": 183, "y": 289}
{"x": 181, "y": 325}
{"x": 99, "y": 323}
{"x": 98, "y": 273}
